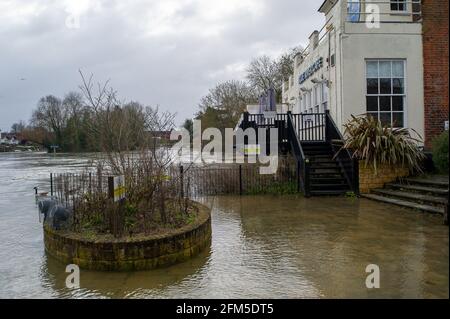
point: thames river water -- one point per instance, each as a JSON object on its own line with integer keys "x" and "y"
{"x": 262, "y": 247}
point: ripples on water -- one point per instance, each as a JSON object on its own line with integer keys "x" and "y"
{"x": 262, "y": 247}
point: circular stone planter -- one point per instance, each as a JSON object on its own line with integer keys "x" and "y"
{"x": 136, "y": 253}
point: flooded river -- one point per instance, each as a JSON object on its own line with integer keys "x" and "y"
{"x": 262, "y": 247}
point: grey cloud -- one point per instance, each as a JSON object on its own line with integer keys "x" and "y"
{"x": 171, "y": 64}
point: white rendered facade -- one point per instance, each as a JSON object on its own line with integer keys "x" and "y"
{"x": 351, "y": 67}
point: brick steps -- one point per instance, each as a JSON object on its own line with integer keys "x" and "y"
{"x": 426, "y": 195}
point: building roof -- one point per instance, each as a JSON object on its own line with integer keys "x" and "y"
{"x": 327, "y": 5}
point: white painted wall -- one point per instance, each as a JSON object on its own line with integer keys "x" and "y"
{"x": 352, "y": 44}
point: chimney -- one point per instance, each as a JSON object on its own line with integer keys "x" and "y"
{"x": 314, "y": 40}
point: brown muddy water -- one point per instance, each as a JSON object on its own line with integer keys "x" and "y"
{"x": 262, "y": 247}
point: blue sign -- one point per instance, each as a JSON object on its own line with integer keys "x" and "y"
{"x": 311, "y": 70}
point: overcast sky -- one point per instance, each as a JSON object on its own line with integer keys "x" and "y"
{"x": 164, "y": 52}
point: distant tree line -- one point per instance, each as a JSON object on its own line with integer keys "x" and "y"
{"x": 224, "y": 103}
{"x": 80, "y": 122}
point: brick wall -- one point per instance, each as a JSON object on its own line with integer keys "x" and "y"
{"x": 385, "y": 174}
{"x": 435, "y": 54}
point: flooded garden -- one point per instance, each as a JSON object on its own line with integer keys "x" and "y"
{"x": 262, "y": 246}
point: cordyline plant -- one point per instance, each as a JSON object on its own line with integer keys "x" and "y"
{"x": 378, "y": 144}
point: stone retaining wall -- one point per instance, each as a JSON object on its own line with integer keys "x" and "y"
{"x": 385, "y": 174}
{"x": 139, "y": 253}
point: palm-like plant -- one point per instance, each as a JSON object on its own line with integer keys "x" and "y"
{"x": 378, "y": 144}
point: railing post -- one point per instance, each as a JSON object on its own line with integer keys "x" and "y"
{"x": 298, "y": 177}
{"x": 245, "y": 120}
{"x": 327, "y": 126}
{"x": 306, "y": 178}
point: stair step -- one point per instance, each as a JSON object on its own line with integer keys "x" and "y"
{"x": 328, "y": 180}
{"x": 331, "y": 170}
{"x": 329, "y": 186}
{"x": 403, "y": 203}
{"x": 414, "y": 196}
{"x": 432, "y": 190}
{"x": 319, "y": 165}
{"x": 314, "y": 161}
{"x": 329, "y": 192}
{"x": 428, "y": 182}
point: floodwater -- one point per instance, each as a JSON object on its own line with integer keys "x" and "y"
{"x": 262, "y": 247}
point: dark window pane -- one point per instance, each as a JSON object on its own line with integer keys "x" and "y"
{"x": 397, "y": 119}
{"x": 372, "y": 103}
{"x": 372, "y": 86}
{"x": 397, "y": 103}
{"x": 394, "y": 6}
{"x": 385, "y": 103}
{"x": 398, "y": 86}
{"x": 385, "y": 86}
{"x": 385, "y": 118}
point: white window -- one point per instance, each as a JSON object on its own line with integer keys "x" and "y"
{"x": 316, "y": 93}
{"x": 398, "y": 5}
{"x": 324, "y": 97}
{"x": 307, "y": 98}
{"x": 385, "y": 96}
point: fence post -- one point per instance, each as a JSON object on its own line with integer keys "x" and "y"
{"x": 240, "y": 179}
{"x": 182, "y": 181}
{"x": 51, "y": 184}
{"x": 327, "y": 126}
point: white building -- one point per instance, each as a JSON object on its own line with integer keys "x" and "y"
{"x": 351, "y": 67}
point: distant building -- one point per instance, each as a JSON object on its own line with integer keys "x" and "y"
{"x": 9, "y": 139}
{"x": 165, "y": 135}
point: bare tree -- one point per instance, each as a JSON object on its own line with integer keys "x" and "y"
{"x": 51, "y": 115}
{"x": 226, "y": 101}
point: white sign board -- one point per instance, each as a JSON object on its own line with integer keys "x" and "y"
{"x": 119, "y": 188}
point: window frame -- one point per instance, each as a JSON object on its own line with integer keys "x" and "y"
{"x": 391, "y": 95}
{"x": 399, "y": 3}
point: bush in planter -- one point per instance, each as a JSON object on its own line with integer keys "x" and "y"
{"x": 440, "y": 152}
{"x": 377, "y": 144}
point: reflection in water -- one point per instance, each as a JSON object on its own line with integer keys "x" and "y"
{"x": 262, "y": 247}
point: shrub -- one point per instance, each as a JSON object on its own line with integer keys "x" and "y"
{"x": 377, "y": 144}
{"x": 440, "y": 152}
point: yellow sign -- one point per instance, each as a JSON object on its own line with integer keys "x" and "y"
{"x": 252, "y": 149}
{"x": 119, "y": 188}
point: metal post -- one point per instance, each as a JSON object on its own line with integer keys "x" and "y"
{"x": 327, "y": 126}
{"x": 51, "y": 184}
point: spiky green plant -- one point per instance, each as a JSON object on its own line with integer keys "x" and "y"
{"x": 378, "y": 144}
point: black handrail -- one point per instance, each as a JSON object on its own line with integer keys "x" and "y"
{"x": 348, "y": 163}
{"x": 297, "y": 151}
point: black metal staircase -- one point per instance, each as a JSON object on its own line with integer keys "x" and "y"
{"x": 323, "y": 167}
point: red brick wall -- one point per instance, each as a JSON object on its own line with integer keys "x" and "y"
{"x": 435, "y": 54}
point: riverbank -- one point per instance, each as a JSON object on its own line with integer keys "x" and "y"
{"x": 20, "y": 148}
